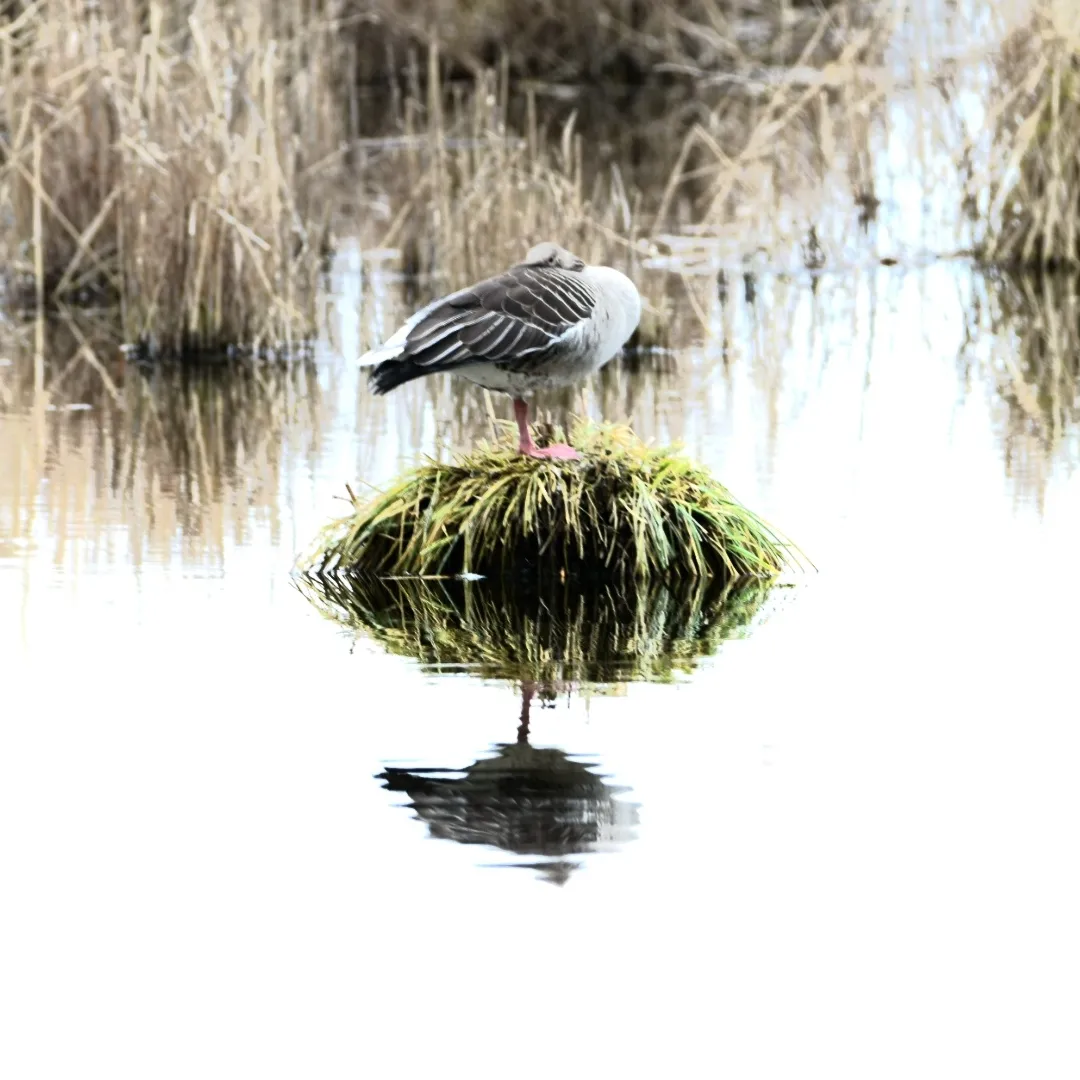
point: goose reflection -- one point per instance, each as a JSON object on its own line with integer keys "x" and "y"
{"x": 535, "y": 802}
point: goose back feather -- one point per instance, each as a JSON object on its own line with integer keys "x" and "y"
{"x": 513, "y": 320}
{"x": 547, "y": 321}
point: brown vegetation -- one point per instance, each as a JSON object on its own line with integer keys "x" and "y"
{"x": 604, "y": 41}
{"x": 192, "y": 162}
{"x": 1034, "y": 213}
{"x": 162, "y": 157}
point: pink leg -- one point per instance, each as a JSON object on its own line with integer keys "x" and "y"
{"x": 525, "y": 444}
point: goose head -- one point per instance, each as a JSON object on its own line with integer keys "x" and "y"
{"x": 550, "y": 254}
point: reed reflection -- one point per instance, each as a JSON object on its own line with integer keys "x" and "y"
{"x": 1023, "y": 335}
{"x": 118, "y": 458}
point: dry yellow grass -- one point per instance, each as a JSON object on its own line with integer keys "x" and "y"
{"x": 472, "y": 192}
{"x": 162, "y": 156}
{"x": 603, "y": 41}
{"x": 177, "y": 158}
{"x": 1033, "y": 216}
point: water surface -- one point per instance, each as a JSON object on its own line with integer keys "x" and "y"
{"x": 242, "y": 837}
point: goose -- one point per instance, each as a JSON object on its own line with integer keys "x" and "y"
{"x": 548, "y": 322}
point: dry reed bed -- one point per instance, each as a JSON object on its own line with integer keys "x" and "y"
{"x": 168, "y": 156}
{"x": 604, "y": 41}
{"x": 1034, "y": 183}
{"x": 164, "y": 157}
{"x": 173, "y": 157}
{"x": 475, "y": 193}
{"x": 757, "y": 182}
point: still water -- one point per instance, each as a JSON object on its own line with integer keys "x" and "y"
{"x": 833, "y": 829}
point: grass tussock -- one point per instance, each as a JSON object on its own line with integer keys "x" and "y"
{"x": 555, "y": 636}
{"x": 165, "y": 156}
{"x": 626, "y": 511}
{"x": 1034, "y": 214}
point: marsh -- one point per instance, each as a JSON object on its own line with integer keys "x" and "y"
{"x": 821, "y": 823}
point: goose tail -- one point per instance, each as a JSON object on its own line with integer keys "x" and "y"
{"x": 391, "y": 373}
{"x": 388, "y": 367}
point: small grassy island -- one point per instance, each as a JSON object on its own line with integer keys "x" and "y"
{"x": 626, "y": 511}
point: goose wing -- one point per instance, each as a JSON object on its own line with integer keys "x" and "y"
{"x": 513, "y": 319}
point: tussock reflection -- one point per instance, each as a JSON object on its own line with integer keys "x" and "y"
{"x": 557, "y": 634}
{"x": 541, "y": 804}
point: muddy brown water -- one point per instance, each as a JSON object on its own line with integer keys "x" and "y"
{"x": 242, "y": 838}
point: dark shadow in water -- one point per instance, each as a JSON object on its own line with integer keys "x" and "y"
{"x": 538, "y": 803}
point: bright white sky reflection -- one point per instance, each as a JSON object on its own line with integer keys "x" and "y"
{"x": 856, "y": 854}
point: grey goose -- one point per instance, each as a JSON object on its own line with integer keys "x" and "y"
{"x": 548, "y": 322}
